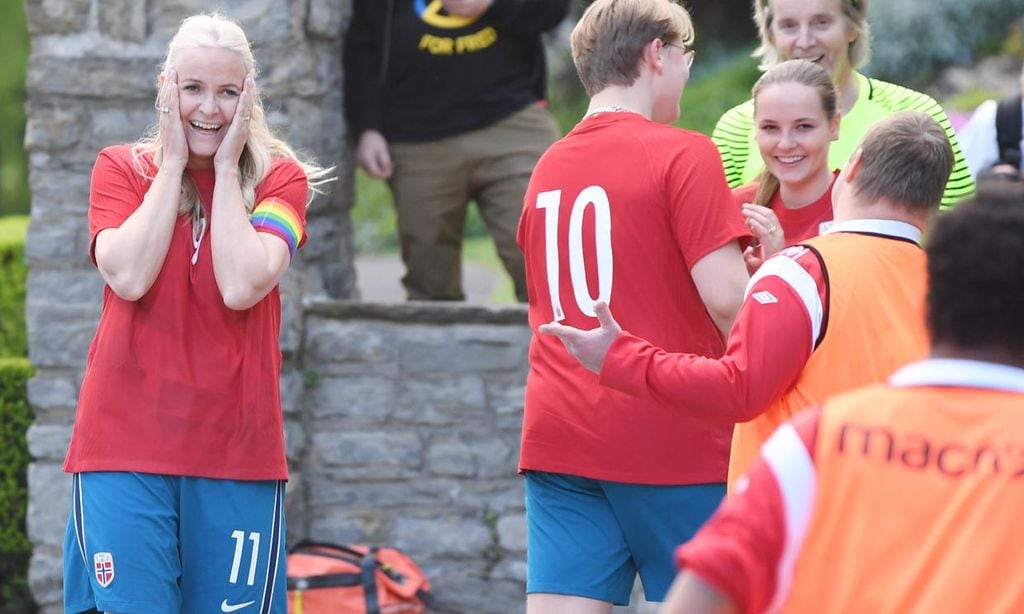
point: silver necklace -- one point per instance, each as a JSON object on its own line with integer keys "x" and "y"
{"x": 614, "y": 109}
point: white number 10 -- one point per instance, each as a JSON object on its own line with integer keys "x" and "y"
{"x": 550, "y": 202}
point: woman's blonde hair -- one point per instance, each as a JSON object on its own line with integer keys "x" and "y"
{"x": 261, "y": 148}
{"x": 800, "y": 72}
{"x": 609, "y": 39}
{"x": 855, "y": 11}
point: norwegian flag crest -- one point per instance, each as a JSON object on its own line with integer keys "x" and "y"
{"x": 104, "y": 563}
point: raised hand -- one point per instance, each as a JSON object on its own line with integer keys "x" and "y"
{"x": 763, "y": 222}
{"x": 466, "y": 8}
{"x": 230, "y": 149}
{"x": 174, "y": 150}
{"x": 588, "y": 346}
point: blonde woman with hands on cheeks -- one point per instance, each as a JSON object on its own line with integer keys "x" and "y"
{"x": 177, "y": 454}
{"x": 795, "y": 120}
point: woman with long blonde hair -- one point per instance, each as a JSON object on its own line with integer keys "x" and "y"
{"x": 795, "y": 121}
{"x": 177, "y": 453}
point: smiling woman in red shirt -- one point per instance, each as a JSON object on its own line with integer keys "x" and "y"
{"x": 177, "y": 452}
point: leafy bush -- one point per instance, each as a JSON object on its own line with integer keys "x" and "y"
{"x": 13, "y": 339}
{"x": 948, "y": 32}
{"x": 717, "y": 85}
{"x": 14, "y": 193}
{"x": 15, "y": 548}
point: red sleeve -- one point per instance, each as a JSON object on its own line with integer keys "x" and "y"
{"x": 774, "y": 334}
{"x": 115, "y": 191}
{"x": 740, "y": 549}
{"x": 702, "y": 212}
{"x": 744, "y": 194}
{"x": 286, "y": 184}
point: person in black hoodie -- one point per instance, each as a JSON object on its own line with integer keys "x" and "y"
{"x": 446, "y": 101}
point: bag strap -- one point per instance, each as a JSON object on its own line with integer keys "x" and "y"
{"x": 1009, "y": 125}
{"x": 307, "y": 544}
{"x": 334, "y": 580}
{"x": 369, "y": 567}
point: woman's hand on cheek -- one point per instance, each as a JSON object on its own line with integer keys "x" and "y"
{"x": 172, "y": 128}
{"x": 230, "y": 149}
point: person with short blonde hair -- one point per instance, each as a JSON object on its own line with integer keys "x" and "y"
{"x": 604, "y": 57}
{"x": 629, "y": 209}
{"x": 177, "y": 453}
{"x": 835, "y": 35}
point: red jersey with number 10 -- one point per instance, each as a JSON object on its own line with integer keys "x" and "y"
{"x": 620, "y": 210}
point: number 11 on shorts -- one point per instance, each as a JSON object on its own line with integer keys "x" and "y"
{"x": 239, "y": 537}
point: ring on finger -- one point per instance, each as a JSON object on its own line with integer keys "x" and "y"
{"x": 773, "y": 228}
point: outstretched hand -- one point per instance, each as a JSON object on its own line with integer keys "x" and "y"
{"x": 588, "y": 346}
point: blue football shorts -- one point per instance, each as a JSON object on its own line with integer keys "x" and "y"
{"x": 590, "y": 538}
{"x": 140, "y": 542}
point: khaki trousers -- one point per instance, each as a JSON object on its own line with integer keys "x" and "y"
{"x": 433, "y": 184}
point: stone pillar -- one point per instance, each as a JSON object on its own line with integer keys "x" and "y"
{"x": 91, "y": 83}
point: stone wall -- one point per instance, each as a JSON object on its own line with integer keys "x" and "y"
{"x": 410, "y": 435}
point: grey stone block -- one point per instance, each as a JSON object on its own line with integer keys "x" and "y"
{"x": 443, "y": 537}
{"x": 371, "y": 454}
{"x": 470, "y": 456}
{"x": 57, "y": 239}
{"x": 114, "y": 125}
{"x": 56, "y": 128}
{"x": 50, "y": 17}
{"x": 113, "y": 76}
{"x": 446, "y": 400}
{"x": 463, "y": 348}
{"x": 294, "y": 440}
{"x": 324, "y": 18}
{"x": 48, "y": 504}
{"x": 470, "y": 586}
{"x": 341, "y": 527}
{"x": 346, "y": 402}
{"x": 123, "y": 19}
{"x": 350, "y": 347}
{"x": 48, "y": 392}
{"x": 60, "y": 192}
{"x": 46, "y": 579}
{"x": 48, "y": 442}
{"x": 335, "y": 488}
{"x": 512, "y": 532}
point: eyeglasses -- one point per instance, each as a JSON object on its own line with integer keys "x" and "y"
{"x": 688, "y": 54}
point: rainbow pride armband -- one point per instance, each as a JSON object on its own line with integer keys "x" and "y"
{"x": 278, "y": 219}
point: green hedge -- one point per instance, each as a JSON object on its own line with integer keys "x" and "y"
{"x": 15, "y": 548}
{"x": 13, "y": 338}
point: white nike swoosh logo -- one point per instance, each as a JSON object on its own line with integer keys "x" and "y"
{"x": 227, "y": 607}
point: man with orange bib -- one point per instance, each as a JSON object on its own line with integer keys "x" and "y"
{"x": 839, "y": 311}
{"x": 899, "y": 497}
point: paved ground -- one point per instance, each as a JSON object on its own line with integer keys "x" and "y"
{"x": 379, "y": 279}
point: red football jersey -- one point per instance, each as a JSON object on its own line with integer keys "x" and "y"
{"x": 176, "y": 382}
{"x": 620, "y": 210}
